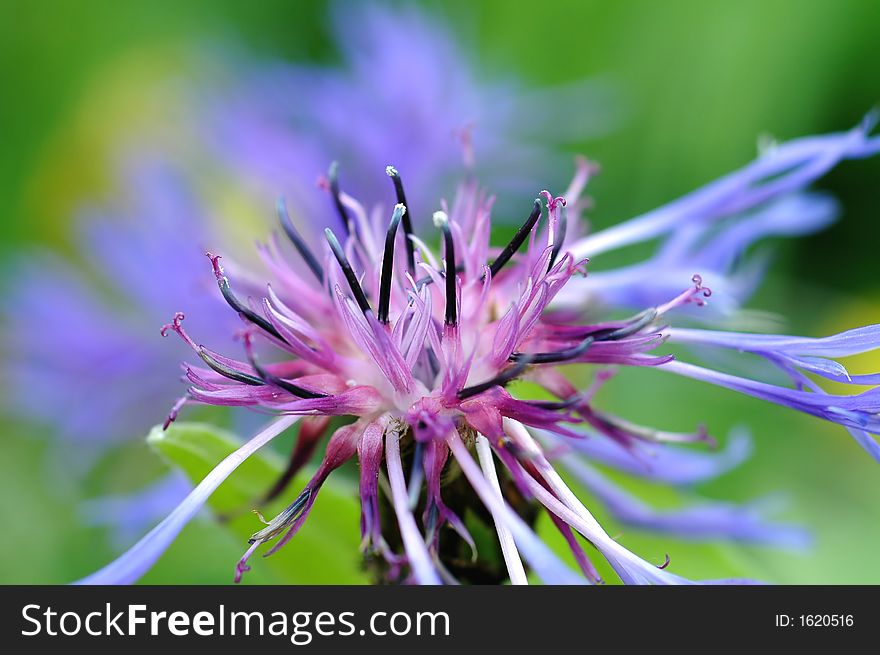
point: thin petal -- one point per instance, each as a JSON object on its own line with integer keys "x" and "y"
{"x": 416, "y": 550}
{"x": 505, "y": 536}
{"x": 137, "y": 560}
{"x": 545, "y": 563}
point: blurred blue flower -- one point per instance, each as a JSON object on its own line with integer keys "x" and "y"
{"x": 87, "y": 337}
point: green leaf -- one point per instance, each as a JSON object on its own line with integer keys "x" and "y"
{"x": 196, "y": 448}
{"x": 325, "y": 550}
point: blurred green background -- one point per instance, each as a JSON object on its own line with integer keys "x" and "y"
{"x": 699, "y": 81}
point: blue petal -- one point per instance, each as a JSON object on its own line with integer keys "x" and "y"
{"x": 137, "y": 560}
{"x": 706, "y": 520}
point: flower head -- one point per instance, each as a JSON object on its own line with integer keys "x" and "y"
{"x": 418, "y": 346}
{"x": 267, "y": 127}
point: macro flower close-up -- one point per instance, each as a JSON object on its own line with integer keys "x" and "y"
{"x": 416, "y": 348}
{"x": 405, "y": 294}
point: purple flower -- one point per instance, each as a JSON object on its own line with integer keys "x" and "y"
{"x": 403, "y": 80}
{"x": 272, "y": 127}
{"x": 417, "y": 347}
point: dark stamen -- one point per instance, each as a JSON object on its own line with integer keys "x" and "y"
{"x": 388, "y": 264}
{"x": 347, "y": 270}
{"x": 274, "y": 380}
{"x": 333, "y": 179}
{"x": 281, "y": 522}
{"x": 431, "y": 516}
{"x": 416, "y": 474}
{"x": 518, "y": 239}
{"x": 559, "y": 237}
{"x": 236, "y": 304}
{"x": 558, "y": 356}
{"x": 407, "y": 218}
{"x": 227, "y": 371}
{"x": 637, "y": 323}
{"x": 441, "y": 220}
{"x": 568, "y": 403}
{"x": 422, "y": 282}
{"x": 299, "y": 457}
{"x": 298, "y": 242}
{"x": 499, "y": 380}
